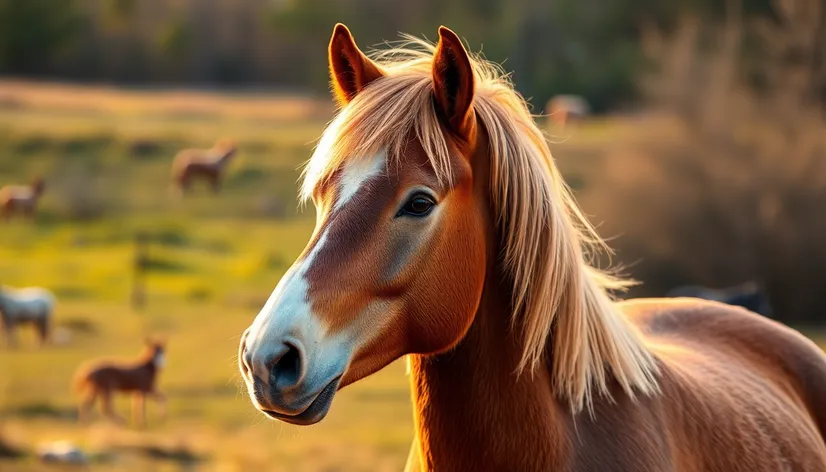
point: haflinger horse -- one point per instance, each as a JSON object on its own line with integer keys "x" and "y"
{"x": 748, "y": 295}
{"x": 444, "y": 232}
{"x": 21, "y": 199}
{"x": 31, "y": 305}
{"x": 205, "y": 164}
{"x": 103, "y": 378}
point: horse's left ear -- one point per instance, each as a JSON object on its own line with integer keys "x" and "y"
{"x": 453, "y": 82}
{"x": 350, "y": 69}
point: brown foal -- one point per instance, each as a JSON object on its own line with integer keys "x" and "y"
{"x": 103, "y": 378}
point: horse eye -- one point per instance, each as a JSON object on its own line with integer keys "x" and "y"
{"x": 418, "y": 206}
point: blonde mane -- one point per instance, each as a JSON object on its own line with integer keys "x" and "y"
{"x": 559, "y": 301}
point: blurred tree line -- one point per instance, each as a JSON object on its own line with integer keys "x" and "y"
{"x": 587, "y": 47}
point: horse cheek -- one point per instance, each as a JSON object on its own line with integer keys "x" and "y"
{"x": 448, "y": 302}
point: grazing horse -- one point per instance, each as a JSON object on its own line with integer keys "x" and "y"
{"x": 31, "y": 305}
{"x": 563, "y": 109}
{"x": 747, "y": 295}
{"x": 445, "y": 232}
{"x": 207, "y": 164}
{"x": 21, "y": 199}
{"x": 104, "y": 378}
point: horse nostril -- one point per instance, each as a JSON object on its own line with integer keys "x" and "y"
{"x": 244, "y": 356}
{"x": 286, "y": 369}
{"x": 246, "y": 363}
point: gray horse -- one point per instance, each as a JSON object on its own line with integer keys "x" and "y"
{"x": 31, "y": 305}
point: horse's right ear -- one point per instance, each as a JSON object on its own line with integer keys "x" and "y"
{"x": 350, "y": 69}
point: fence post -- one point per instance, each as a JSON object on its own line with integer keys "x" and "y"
{"x": 139, "y": 266}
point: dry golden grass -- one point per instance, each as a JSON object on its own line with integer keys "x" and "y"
{"x": 89, "y": 99}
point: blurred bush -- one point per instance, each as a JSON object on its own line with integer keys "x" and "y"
{"x": 730, "y": 182}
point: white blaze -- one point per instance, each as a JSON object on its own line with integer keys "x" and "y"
{"x": 356, "y": 174}
{"x": 288, "y": 311}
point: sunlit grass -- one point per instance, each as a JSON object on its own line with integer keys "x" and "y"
{"x": 212, "y": 263}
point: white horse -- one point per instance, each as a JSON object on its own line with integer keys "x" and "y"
{"x": 32, "y": 305}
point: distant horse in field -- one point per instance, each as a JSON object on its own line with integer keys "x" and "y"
{"x": 32, "y": 305}
{"x": 21, "y": 199}
{"x": 102, "y": 379}
{"x": 445, "y": 232}
{"x": 563, "y": 109}
{"x": 747, "y": 295}
{"x": 205, "y": 164}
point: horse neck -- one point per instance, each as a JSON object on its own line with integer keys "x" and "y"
{"x": 147, "y": 360}
{"x": 470, "y": 400}
{"x": 224, "y": 156}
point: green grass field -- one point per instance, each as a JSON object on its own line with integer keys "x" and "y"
{"x": 105, "y": 154}
{"x": 214, "y": 260}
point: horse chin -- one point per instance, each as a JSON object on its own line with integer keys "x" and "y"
{"x": 314, "y": 413}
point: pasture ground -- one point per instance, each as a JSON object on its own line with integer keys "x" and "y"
{"x": 105, "y": 154}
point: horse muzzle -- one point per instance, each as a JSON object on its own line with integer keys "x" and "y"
{"x": 285, "y": 381}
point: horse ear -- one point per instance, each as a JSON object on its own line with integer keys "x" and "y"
{"x": 453, "y": 82}
{"x": 350, "y": 69}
